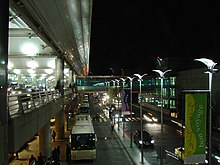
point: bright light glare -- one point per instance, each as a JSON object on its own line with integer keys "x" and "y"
{"x": 31, "y": 71}
{"x": 154, "y": 119}
{"x": 17, "y": 71}
{"x": 66, "y": 70}
{"x": 116, "y": 115}
{"x": 51, "y": 64}
{"x": 105, "y": 98}
{"x": 10, "y": 65}
{"x": 150, "y": 118}
{"x": 29, "y": 49}
{"x": 48, "y": 71}
{"x": 32, "y": 64}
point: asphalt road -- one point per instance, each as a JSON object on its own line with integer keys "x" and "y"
{"x": 109, "y": 149}
{"x": 171, "y": 139}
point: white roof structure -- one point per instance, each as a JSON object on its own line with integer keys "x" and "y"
{"x": 40, "y": 31}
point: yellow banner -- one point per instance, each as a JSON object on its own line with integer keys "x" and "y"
{"x": 195, "y": 127}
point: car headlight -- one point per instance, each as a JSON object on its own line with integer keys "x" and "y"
{"x": 152, "y": 141}
{"x": 116, "y": 115}
{"x": 140, "y": 142}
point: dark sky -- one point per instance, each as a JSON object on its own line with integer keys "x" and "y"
{"x": 130, "y": 35}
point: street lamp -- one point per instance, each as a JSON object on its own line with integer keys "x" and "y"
{"x": 210, "y": 64}
{"x": 111, "y": 99}
{"x": 141, "y": 116}
{"x": 107, "y": 87}
{"x": 161, "y": 74}
{"x": 107, "y": 83}
{"x": 130, "y": 80}
{"x": 113, "y": 82}
{"x": 118, "y": 85}
{"x": 123, "y": 120}
{"x": 123, "y": 82}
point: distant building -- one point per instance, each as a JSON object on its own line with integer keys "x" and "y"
{"x": 185, "y": 75}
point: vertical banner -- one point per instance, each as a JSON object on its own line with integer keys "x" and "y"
{"x": 126, "y": 101}
{"x": 195, "y": 127}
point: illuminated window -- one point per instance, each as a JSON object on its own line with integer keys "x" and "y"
{"x": 172, "y": 92}
{"x": 172, "y": 104}
{"x": 172, "y": 80}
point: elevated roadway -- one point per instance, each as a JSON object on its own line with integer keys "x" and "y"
{"x": 29, "y": 113}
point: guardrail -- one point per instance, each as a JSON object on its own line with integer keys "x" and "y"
{"x": 25, "y": 102}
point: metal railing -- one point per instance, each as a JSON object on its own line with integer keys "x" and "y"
{"x": 26, "y": 102}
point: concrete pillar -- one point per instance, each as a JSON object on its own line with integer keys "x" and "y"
{"x": 59, "y": 71}
{"x": 45, "y": 140}
{"x": 59, "y": 124}
{"x": 4, "y": 8}
{"x": 59, "y": 118}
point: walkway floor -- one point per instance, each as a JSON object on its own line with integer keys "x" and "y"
{"x": 25, "y": 155}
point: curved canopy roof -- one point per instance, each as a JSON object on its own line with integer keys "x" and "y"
{"x": 47, "y": 29}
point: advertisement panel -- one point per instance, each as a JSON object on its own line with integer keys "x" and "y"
{"x": 195, "y": 127}
{"x": 126, "y": 101}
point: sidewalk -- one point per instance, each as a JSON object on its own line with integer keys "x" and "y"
{"x": 25, "y": 155}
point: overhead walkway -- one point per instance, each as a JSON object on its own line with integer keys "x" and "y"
{"x": 30, "y": 112}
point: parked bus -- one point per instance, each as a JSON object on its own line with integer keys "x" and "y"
{"x": 83, "y": 139}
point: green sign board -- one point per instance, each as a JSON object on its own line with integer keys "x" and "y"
{"x": 195, "y": 127}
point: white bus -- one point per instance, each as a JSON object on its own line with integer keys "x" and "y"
{"x": 83, "y": 139}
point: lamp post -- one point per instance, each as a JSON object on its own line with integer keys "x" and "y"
{"x": 118, "y": 85}
{"x": 131, "y": 80}
{"x": 141, "y": 115}
{"x": 210, "y": 64}
{"x": 123, "y": 82}
{"x": 123, "y": 120}
{"x": 107, "y": 83}
{"x": 161, "y": 76}
{"x": 111, "y": 99}
{"x": 113, "y": 83}
{"x": 108, "y": 93}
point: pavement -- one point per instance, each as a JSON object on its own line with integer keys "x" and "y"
{"x": 134, "y": 152}
{"x": 24, "y": 155}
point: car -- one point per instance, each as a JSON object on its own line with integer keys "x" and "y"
{"x": 150, "y": 118}
{"x": 147, "y": 139}
{"x": 179, "y": 152}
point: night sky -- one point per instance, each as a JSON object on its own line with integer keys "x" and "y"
{"x": 130, "y": 35}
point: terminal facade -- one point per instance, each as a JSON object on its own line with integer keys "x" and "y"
{"x": 16, "y": 130}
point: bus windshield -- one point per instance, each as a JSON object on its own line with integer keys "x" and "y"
{"x": 83, "y": 141}
{"x": 84, "y": 108}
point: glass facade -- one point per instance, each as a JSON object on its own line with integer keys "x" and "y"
{"x": 169, "y": 94}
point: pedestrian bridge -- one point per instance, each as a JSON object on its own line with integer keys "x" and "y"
{"x": 29, "y": 112}
{"x": 103, "y": 83}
